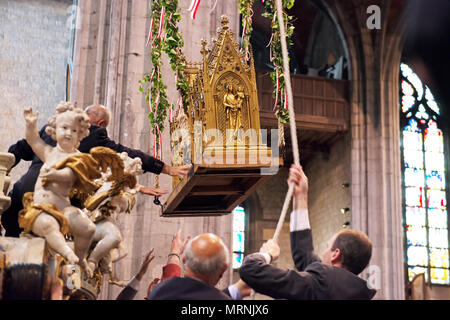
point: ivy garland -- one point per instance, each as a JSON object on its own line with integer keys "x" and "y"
{"x": 245, "y": 9}
{"x": 164, "y": 36}
{"x": 277, "y": 56}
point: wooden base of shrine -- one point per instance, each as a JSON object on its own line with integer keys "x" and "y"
{"x": 215, "y": 189}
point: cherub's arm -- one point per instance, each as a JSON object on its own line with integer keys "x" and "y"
{"x": 38, "y": 145}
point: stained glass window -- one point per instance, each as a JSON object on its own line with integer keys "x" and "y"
{"x": 424, "y": 183}
{"x": 238, "y": 236}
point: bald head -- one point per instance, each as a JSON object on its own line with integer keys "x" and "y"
{"x": 98, "y": 115}
{"x": 207, "y": 245}
{"x": 207, "y": 257}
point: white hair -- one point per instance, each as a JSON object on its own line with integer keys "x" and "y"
{"x": 207, "y": 266}
{"x": 100, "y": 112}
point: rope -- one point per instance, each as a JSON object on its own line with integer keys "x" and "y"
{"x": 287, "y": 77}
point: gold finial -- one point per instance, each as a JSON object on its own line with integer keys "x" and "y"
{"x": 204, "y": 51}
{"x": 224, "y": 20}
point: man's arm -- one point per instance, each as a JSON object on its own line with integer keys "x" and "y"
{"x": 274, "y": 282}
{"x": 301, "y": 238}
{"x": 130, "y": 291}
{"x": 238, "y": 290}
{"x": 173, "y": 266}
{"x": 149, "y": 163}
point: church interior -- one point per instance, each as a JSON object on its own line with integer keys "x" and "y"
{"x": 369, "y": 88}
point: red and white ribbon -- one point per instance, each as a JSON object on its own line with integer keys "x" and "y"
{"x": 270, "y": 41}
{"x": 247, "y": 54}
{"x": 154, "y": 145}
{"x": 156, "y": 103}
{"x": 149, "y": 38}
{"x": 213, "y": 8}
{"x": 153, "y": 75}
{"x": 278, "y": 89}
{"x": 285, "y": 97}
{"x": 160, "y": 142}
{"x": 150, "y": 103}
{"x": 170, "y": 113}
{"x": 193, "y": 8}
{"x": 161, "y": 21}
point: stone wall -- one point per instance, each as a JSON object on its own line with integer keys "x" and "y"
{"x": 327, "y": 195}
{"x": 34, "y": 42}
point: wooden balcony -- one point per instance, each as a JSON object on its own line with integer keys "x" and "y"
{"x": 322, "y": 110}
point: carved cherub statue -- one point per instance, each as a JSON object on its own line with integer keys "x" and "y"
{"x": 116, "y": 195}
{"x": 48, "y": 212}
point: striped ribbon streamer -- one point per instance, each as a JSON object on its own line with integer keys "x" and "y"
{"x": 161, "y": 21}
{"x": 193, "y": 8}
{"x": 278, "y": 89}
{"x": 154, "y": 146}
{"x": 160, "y": 142}
{"x": 213, "y": 8}
{"x": 150, "y": 33}
{"x": 170, "y": 113}
{"x": 285, "y": 98}
{"x": 150, "y": 103}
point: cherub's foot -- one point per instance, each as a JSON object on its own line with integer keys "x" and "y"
{"x": 72, "y": 258}
{"x": 88, "y": 267}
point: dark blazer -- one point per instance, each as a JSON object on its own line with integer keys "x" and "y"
{"x": 127, "y": 293}
{"x": 313, "y": 281}
{"x": 186, "y": 288}
{"x": 98, "y": 137}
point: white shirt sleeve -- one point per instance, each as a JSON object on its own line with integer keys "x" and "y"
{"x": 134, "y": 284}
{"x": 234, "y": 292}
{"x": 266, "y": 256}
{"x": 299, "y": 220}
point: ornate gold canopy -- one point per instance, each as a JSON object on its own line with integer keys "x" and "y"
{"x": 219, "y": 132}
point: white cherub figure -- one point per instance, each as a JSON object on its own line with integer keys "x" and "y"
{"x": 51, "y": 214}
{"x": 112, "y": 198}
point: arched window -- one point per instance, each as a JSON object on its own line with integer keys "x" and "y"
{"x": 424, "y": 181}
{"x": 238, "y": 236}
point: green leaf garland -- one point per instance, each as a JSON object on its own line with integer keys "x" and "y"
{"x": 277, "y": 56}
{"x": 171, "y": 43}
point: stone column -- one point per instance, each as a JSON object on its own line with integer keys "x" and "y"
{"x": 374, "y": 59}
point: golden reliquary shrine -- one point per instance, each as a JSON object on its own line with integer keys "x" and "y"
{"x": 219, "y": 133}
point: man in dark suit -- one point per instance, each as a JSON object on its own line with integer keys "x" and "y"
{"x": 205, "y": 259}
{"x": 335, "y": 277}
{"x": 98, "y": 137}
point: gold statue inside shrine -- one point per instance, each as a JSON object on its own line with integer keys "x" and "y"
{"x": 232, "y": 102}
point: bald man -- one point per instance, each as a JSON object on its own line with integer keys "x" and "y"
{"x": 205, "y": 260}
{"x": 99, "y": 117}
